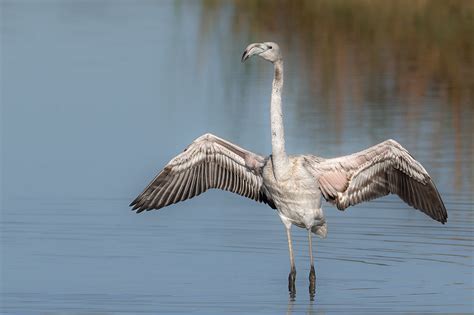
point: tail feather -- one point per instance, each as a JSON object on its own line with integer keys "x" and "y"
{"x": 320, "y": 230}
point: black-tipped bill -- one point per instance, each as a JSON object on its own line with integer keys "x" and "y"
{"x": 245, "y": 56}
{"x": 253, "y": 49}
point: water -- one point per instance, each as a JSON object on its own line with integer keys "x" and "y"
{"x": 98, "y": 96}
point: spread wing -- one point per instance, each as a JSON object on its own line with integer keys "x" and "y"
{"x": 208, "y": 162}
{"x": 375, "y": 172}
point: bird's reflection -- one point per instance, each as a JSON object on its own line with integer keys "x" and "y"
{"x": 291, "y": 303}
{"x": 292, "y": 300}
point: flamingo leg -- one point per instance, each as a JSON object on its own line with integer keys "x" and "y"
{"x": 292, "y": 275}
{"x": 312, "y": 274}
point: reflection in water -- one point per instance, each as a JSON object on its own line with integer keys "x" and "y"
{"x": 291, "y": 303}
{"x": 420, "y": 45}
{"x": 309, "y": 306}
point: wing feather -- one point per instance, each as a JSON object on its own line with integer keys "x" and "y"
{"x": 375, "y": 172}
{"x": 208, "y": 162}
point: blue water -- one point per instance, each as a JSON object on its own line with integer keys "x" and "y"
{"x": 98, "y": 96}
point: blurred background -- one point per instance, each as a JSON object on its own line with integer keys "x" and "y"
{"x": 97, "y": 96}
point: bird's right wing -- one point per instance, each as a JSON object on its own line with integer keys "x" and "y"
{"x": 208, "y": 162}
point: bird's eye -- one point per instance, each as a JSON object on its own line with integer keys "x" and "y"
{"x": 269, "y": 47}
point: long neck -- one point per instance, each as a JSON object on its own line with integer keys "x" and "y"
{"x": 279, "y": 158}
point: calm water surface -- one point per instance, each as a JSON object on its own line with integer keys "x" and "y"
{"x": 98, "y": 96}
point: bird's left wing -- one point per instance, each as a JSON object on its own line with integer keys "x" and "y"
{"x": 375, "y": 172}
{"x": 208, "y": 162}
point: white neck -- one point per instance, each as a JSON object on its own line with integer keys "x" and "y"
{"x": 280, "y": 160}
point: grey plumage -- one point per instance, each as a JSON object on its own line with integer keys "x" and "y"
{"x": 208, "y": 162}
{"x": 375, "y": 172}
{"x": 293, "y": 185}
